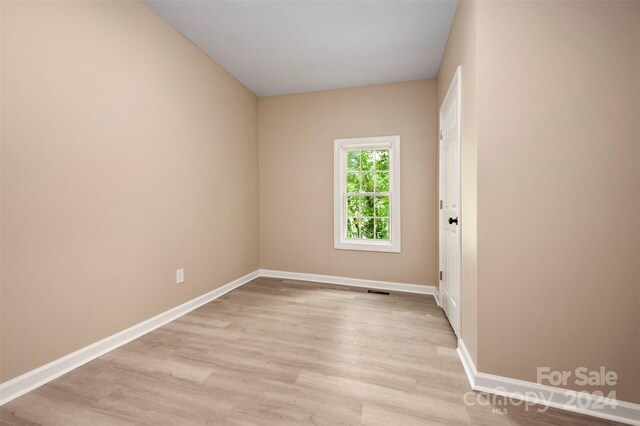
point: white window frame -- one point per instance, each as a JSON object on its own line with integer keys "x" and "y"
{"x": 341, "y": 146}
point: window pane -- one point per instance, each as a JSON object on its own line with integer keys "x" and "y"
{"x": 366, "y": 206}
{"x": 353, "y": 160}
{"x": 366, "y": 194}
{"x": 382, "y": 160}
{"x": 366, "y": 228}
{"x": 353, "y": 228}
{"x": 382, "y": 206}
{"x": 382, "y": 229}
{"x": 382, "y": 181}
{"x": 353, "y": 206}
{"x": 367, "y": 182}
{"x": 368, "y": 159}
{"x": 353, "y": 182}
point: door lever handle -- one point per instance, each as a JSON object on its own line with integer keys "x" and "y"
{"x": 452, "y": 220}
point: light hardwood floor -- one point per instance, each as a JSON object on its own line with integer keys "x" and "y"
{"x": 281, "y": 352}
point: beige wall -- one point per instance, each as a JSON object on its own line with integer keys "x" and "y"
{"x": 126, "y": 153}
{"x": 296, "y": 179}
{"x": 559, "y": 188}
{"x": 461, "y": 51}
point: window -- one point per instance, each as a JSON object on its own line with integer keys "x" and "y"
{"x": 367, "y": 194}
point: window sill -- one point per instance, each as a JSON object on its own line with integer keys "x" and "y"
{"x": 386, "y": 246}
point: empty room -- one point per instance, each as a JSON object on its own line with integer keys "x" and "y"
{"x": 317, "y": 212}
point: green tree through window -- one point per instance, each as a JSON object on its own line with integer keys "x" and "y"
{"x": 368, "y": 194}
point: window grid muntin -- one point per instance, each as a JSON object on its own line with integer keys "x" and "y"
{"x": 374, "y": 194}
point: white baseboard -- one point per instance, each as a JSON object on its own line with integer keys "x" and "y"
{"x": 624, "y": 412}
{"x": 352, "y": 282}
{"x": 436, "y": 295}
{"x": 467, "y": 363}
{"x": 33, "y": 379}
{"x": 564, "y": 399}
{"x": 38, "y": 377}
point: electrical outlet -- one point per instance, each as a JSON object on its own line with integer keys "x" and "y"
{"x": 179, "y": 276}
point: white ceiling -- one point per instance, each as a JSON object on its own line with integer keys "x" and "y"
{"x": 276, "y": 47}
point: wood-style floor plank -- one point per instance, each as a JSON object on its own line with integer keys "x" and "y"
{"x": 282, "y": 352}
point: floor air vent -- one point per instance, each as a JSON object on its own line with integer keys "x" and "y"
{"x": 386, "y": 293}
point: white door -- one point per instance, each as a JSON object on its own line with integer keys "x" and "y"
{"x": 450, "y": 114}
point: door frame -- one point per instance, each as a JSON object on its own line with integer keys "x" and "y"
{"x": 457, "y": 78}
